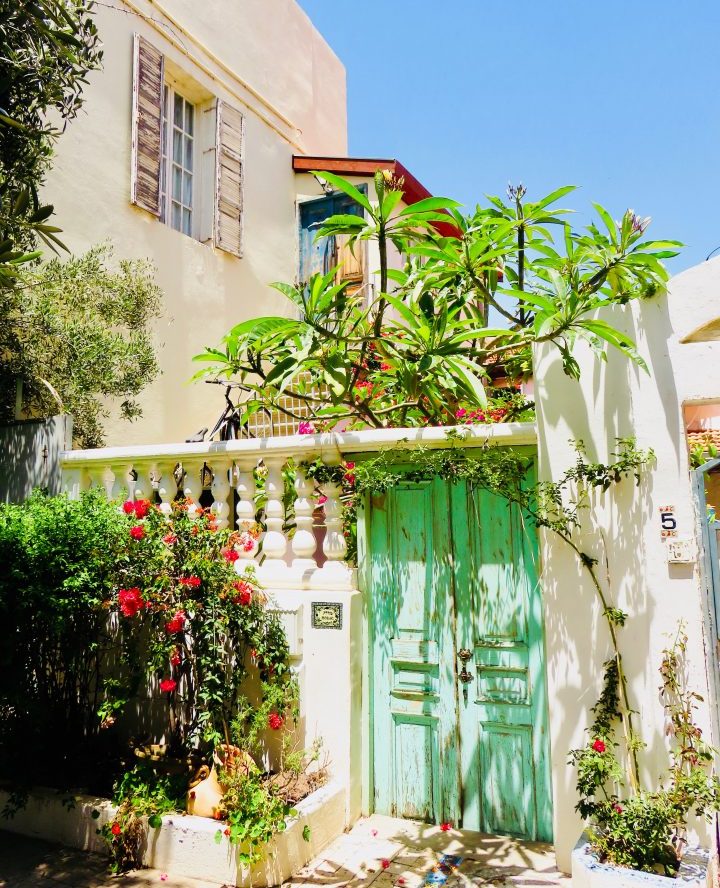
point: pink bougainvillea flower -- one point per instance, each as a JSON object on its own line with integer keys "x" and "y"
{"x": 169, "y": 539}
{"x": 176, "y": 624}
{"x": 460, "y": 413}
{"x": 599, "y": 746}
{"x": 275, "y": 721}
{"x": 230, "y": 554}
{"x": 306, "y": 428}
{"x": 168, "y": 685}
{"x": 137, "y": 531}
{"x": 128, "y": 507}
{"x": 116, "y": 829}
{"x": 244, "y": 591}
{"x": 373, "y": 832}
{"x": 322, "y": 499}
{"x": 192, "y": 582}
{"x": 400, "y": 881}
{"x": 446, "y": 827}
{"x": 130, "y": 601}
{"x": 617, "y": 809}
{"x": 384, "y": 863}
{"x": 163, "y": 877}
{"x": 247, "y": 541}
{"x": 385, "y": 367}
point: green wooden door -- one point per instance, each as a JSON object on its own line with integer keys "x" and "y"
{"x": 453, "y": 584}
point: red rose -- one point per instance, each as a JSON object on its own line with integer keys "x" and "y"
{"x": 130, "y": 601}
{"x": 128, "y": 507}
{"x": 275, "y": 721}
{"x": 142, "y": 507}
{"x": 191, "y": 582}
{"x": 137, "y": 532}
{"x": 230, "y": 554}
{"x": 598, "y": 746}
{"x": 169, "y": 539}
{"x": 176, "y": 624}
{"x": 446, "y": 827}
{"x": 116, "y": 829}
{"x": 168, "y": 685}
{"x": 617, "y": 809}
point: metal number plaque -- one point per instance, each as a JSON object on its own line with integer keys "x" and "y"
{"x": 326, "y": 615}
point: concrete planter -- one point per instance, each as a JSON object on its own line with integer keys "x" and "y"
{"x": 588, "y": 872}
{"x": 185, "y": 845}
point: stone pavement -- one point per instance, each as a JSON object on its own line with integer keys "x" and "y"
{"x": 380, "y": 851}
{"x": 388, "y": 853}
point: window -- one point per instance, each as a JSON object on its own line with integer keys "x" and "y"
{"x": 187, "y": 153}
{"x": 177, "y": 162}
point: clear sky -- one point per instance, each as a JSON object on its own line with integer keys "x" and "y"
{"x": 620, "y": 98}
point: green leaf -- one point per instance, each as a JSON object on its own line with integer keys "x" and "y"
{"x": 553, "y": 196}
{"x": 608, "y": 220}
{"x": 218, "y": 837}
{"x": 306, "y": 833}
{"x": 154, "y": 821}
{"x": 429, "y": 204}
{"x": 347, "y": 187}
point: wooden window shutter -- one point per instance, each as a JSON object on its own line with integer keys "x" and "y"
{"x": 227, "y": 224}
{"x": 148, "y": 82}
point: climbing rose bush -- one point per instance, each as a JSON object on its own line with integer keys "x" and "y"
{"x": 189, "y": 613}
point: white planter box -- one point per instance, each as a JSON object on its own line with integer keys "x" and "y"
{"x": 185, "y": 845}
{"x": 588, "y": 872}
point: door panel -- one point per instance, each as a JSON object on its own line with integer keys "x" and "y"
{"x": 413, "y": 694}
{"x": 459, "y": 711}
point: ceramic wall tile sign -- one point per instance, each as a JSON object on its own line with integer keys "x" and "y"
{"x": 326, "y": 615}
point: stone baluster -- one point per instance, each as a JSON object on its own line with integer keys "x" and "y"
{"x": 167, "y": 488}
{"x": 143, "y": 487}
{"x": 120, "y": 485}
{"x": 245, "y": 509}
{"x": 334, "y": 545}
{"x": 95, "y": 476}
{"x": 274, "y": 541}
{"x": 192, "y": 486}
{"x": 304, "y": 542}
{"x": 220, "y": 489}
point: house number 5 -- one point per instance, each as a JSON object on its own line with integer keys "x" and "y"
{"x": 668, "y": 522}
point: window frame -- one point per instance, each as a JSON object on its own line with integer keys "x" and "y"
{"x": 168, "y": 163}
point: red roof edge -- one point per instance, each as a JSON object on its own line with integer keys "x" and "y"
{"x": 413, "y": 190}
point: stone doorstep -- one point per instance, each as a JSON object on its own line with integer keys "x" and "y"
{"x": 184, "y": 847}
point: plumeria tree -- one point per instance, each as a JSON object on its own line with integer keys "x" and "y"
{"x": 421, "y": 350}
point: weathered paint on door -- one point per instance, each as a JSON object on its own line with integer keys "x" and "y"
{"x": 453, "y": 572}
{"x": 320, "y": 255}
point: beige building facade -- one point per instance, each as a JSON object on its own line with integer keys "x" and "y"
{"x": 210, "y": 102}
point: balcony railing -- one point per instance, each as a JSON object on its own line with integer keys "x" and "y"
{"x": 313, "y": 554}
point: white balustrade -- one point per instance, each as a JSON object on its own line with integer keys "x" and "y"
{"x": 274, "y": 542}
{"x": 245, "y": 509}
{"x": 304, "y": 542}
{"x": 192, "y": 485}
{"x": 120, "y": 481}
{"x": 220, "y": 489}
{"x": 167, "y": 486}
{"x": 143, "y": 485}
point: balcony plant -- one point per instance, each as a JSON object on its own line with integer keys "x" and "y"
{"x": 419, "y": 350}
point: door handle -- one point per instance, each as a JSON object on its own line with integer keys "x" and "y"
{"x": 464, "y": 676}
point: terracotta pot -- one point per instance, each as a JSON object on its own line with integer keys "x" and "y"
{"x": 205, "y": 793}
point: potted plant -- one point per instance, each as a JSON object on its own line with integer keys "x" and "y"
{"x": 644, "y": 829}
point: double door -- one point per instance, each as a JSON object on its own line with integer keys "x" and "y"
{"x": 457, "y": 685}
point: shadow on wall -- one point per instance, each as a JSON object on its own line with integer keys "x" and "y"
{"x": 30, "y": 457}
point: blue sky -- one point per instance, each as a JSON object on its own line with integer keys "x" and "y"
{"x": 620, "y": 98}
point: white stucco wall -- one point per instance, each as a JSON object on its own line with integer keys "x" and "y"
{"x": 615, "y": 400}
{"x": 264, "y": 57}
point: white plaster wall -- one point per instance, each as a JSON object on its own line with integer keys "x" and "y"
{"x": 232, "y": 51}
{"x": 613, "y": 400}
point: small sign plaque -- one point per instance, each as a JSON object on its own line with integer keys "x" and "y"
{"x": 668, "y": 522}
{"x": 680, "y": 551}
{"x": 326, "y": 615}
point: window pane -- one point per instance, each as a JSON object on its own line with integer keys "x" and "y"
{"x": 189, "y": 118}
{"x": 178, "y": 117}
{"x": 176, "y": 216}
{"x": 187, "y": 222}
{"x": 188, "y": 153}
{"x": 177, "y": 183}
{"x": 187, "y": 189}
{"x": 177, "y": 146}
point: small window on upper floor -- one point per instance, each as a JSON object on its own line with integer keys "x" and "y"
{"x": 177, "y": 166}
{"x": 187, "y": 155}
